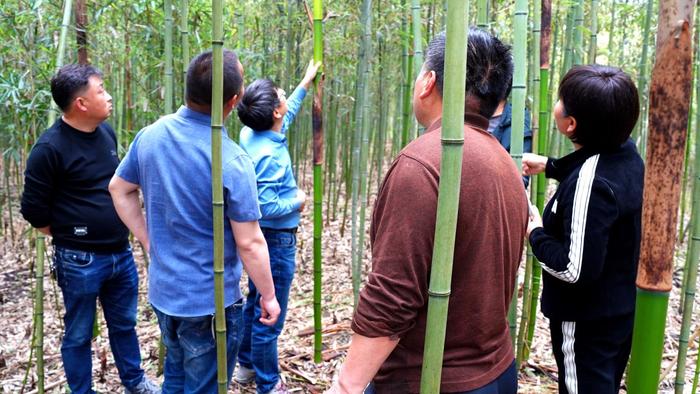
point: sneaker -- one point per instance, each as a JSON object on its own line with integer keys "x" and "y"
{"x": 145, "y": 387}
{"x": 244, "y": 375}
{"x": 280, "y": 388}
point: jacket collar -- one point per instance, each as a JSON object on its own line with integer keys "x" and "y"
{"x": 471, "y": 119}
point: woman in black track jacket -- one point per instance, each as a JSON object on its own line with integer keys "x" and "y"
{"x": 588, "y": 240}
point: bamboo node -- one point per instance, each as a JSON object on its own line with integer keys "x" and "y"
{"x": 452, "y": 141}
{"x": 439, "y": 293}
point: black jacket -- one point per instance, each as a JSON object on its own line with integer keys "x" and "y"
{"x": 66, "y": 181}
{"x": 589, "y": 246}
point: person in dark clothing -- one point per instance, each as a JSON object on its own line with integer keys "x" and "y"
{"x": 500, "y": 125}
{"x": 588, "y": 240}
{"x": 66, "y": 197}
{"x": 391, "y": 316}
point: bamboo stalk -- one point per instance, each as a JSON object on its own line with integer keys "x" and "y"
{"x": 184, "y": 43}
{"x": 448, "y": 194}
{"x": 417, "y": 23}
{"x": 691, "y": 267}
{"x": 540, "y": 148}
{"x": 482, "y": 14}
{"x": 668, "y": 114}
{"x": 39, "y": 312}
{"x": 593, "y": 37}
{"x": 168, "y": 72}
{"x": 217, "y": 120}
{"x": 522, "y": 350}
{"x": 318, "y": 177}
{"x": 65, "y": 24}
{"x": 359, "y": 152}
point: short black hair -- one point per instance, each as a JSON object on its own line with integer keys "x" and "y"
{"x": 199, "y": 78}
{"x": 70, "y": 81}
{"x": 605, "y": 103}
{"x": 489, "y": 69}
{"x": 258, "y": 105}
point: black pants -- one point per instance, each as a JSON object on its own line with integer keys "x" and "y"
{"x": 592, "y": 355}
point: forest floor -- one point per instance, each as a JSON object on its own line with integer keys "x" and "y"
{"x": 299, "y": 372}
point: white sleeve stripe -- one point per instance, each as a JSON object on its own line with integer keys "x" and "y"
{"x": 582, "y": 197}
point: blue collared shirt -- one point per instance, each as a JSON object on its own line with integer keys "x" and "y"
{"x": 171, "y": 161}
{"x": 277, "y": 188}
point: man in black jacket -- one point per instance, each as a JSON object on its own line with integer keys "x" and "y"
{"x": 589, "y": 242}
{"x": 66, "y": 197}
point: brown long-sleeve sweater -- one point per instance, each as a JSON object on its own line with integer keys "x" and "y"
{"x": 490, "y": 234}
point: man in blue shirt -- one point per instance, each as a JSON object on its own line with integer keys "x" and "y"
{"x": 170, "y": 161}
{"x": 267, "y": 114}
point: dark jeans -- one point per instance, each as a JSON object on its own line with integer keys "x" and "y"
{"x": 259, "y": 345}
{"x": 190, "y": 362}
{"x": 506, "y": 383}
{"x": 592, "y": 355}
{"x": 84, "y": 277}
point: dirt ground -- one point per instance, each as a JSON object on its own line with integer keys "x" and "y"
{"x": 299, "y": 372}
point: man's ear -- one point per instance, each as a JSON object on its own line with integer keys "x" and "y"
{"x": 79, "y": 104}
{"x": 276, "y": 114}
{"x": 429, "y": 81}
{"x": 571, "y": 126}
{"x": 232, "y": 102}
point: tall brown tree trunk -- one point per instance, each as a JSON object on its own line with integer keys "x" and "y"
{"x": 669, "y": 100}
{"x": 80, "y": 31}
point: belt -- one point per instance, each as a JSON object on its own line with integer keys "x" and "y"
{"x": 280, "y": 230}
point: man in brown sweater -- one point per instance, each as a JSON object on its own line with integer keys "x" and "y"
{"x": 390, "y": 320}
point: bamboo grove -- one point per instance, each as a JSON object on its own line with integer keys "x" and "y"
{"x": 360, "y": 118}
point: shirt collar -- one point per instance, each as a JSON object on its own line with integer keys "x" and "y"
{"x": 271, "y": 135}
{"x": 191, "y": 114}
{"x": 470, "y": 119}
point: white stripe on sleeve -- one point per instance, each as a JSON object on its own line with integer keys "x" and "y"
{"x": 582, "y": 197}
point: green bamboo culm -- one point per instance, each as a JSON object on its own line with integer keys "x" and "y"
{"x": 593, "y": 43}
{"x": 407, "y": 78}
{"x": 519, "y": 93}
{"x": 217, "y": 120}
{"x": 360, "y": 148}
{"x": 541, "y": 148}
{"x": 639, "y": 133}
{"x": 482, "y": 14}
{"x": 39, "y": 312}
{"x": 691, "y": 266}
{"x": 668, "y": 107}
{"x": 65, "y": 24}
{"x": 522, "y": 351}
{"x": 317, "y": 120}
{"x": 577, "y": 55}
{"x": 184, "y": 44}
{"x": 168, "y": 69}
{"x": 448, "y": 194}
{"x": 417, "y": 22}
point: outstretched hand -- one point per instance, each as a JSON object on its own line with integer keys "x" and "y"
{"x": 533, "y": 164}
{"x": 311, "y": 71}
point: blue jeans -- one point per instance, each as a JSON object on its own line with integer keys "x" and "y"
{"x": 84, "y": 277}
{"x": 190, "y": 362}
{"x": 259, "y": 346}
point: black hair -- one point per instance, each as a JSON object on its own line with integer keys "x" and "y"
{"x": 199, "y": 78}
{"x": 489, "y": 69}
{"x": 258, "y": 105}
{"x": 70, "y": 81}
{"x": 605, "y": 103}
